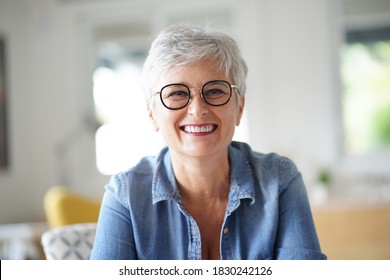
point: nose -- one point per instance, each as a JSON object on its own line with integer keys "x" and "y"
{"x": 197, "y": 106}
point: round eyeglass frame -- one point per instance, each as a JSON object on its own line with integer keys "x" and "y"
{"x": 231, "y": 87}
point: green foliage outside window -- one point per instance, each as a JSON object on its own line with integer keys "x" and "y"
{"x": 366, "y": 96}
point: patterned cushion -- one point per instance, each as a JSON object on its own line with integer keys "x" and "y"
{"x": 72, "y": 242}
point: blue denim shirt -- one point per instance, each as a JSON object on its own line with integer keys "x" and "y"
{"x": 267, "y": 217}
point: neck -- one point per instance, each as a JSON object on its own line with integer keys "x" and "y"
{"x": 202, "y": 178}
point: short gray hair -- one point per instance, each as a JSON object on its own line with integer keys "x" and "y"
{"x": 184, "y": 45}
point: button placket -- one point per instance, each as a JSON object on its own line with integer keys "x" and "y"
{"x": 195, "y": 242}
{"x": 225, "y": 230}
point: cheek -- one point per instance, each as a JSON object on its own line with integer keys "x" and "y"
{"x": 229, "y": 123}
{"x": 234, "y": 118}
{"x": 166, "y": 120}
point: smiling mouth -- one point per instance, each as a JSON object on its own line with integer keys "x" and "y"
{"x": 199, "y": 128}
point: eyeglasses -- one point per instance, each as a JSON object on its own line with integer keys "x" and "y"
{"x": 214, "y": 93}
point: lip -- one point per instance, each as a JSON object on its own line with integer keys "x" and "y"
{"x": 199, "y": 129}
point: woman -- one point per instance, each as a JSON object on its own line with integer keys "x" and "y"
{"x": 204, "y": 196}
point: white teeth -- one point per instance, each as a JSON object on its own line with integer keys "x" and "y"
{"x": 198, "y": 129}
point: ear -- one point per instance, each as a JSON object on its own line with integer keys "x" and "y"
{"x": 240, "y": 112}
{"x": 153, "y": 118}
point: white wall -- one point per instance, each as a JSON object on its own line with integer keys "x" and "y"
{"x": 292, "y": 100}
{"x": 14, "y": 182}
{"x": 45, "y": 106}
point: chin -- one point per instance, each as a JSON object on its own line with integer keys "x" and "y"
{"x": 201, "y": 152}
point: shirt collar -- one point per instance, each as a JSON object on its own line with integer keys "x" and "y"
{"x": 164, "y": 185}
{"x": 241, "y": 177}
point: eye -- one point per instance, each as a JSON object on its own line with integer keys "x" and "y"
{"x": 175, "y": 92}
{"x": 178, "y": 94}
{"x": 214, "y": 93}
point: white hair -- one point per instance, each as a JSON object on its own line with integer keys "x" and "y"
{"x": 183, "y": 45}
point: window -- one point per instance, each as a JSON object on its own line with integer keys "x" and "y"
{"x": 366, "y": 91}
{"x": 126, "y": 133}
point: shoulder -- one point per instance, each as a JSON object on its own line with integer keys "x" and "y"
{"x": 266, "y": 160}
{"x": 137, "y": 179}
{"x": 266, "y": 166}
{"x": 147, "y": 166}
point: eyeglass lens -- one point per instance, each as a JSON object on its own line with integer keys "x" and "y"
{"x": 177, "y": 96}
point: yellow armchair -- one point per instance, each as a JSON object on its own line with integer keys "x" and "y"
{"x": 64, "y": 207}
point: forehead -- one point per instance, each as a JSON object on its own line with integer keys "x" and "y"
{"x": 194, "y": 74}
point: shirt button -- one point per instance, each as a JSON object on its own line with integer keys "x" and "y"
{"x": 225, "y": 230}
